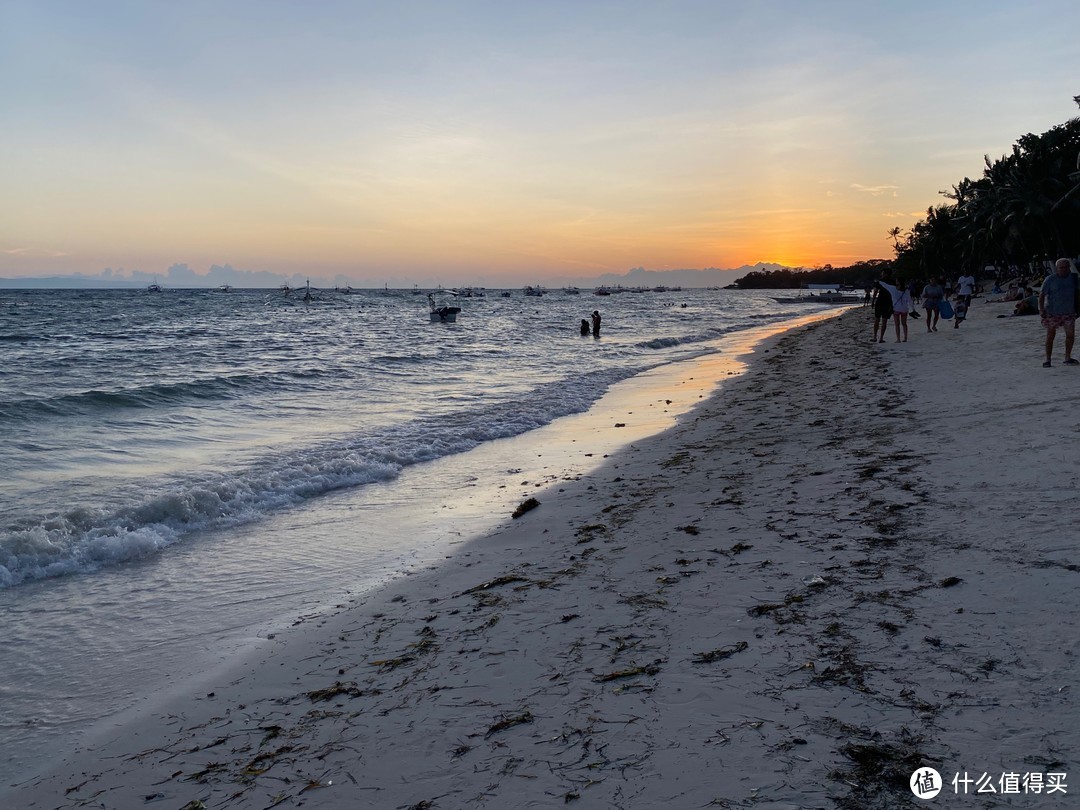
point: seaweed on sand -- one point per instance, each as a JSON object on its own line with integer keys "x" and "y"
{"x": 509, "y": 722}
{"x": 494, "y": 583}
{"x": 720, "y": 654}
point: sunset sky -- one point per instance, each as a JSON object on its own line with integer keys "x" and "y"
{"x": 504, "y": 141}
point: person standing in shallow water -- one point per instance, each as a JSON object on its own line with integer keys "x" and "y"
{"x": 584, "y": 327}
{"x": 596, "y": 323}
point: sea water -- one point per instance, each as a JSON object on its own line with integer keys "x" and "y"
{"x": 185, "y": 471}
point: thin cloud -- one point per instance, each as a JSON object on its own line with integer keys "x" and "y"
{"x": 876, "y": 191}
{"x": 34, "y": 253}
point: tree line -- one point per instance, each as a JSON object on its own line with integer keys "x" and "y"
{"x": 1022, "y": 213}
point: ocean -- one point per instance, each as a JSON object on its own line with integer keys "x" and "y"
{"x": 185, "y": 472}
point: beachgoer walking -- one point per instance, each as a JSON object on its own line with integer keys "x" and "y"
{"x": 901, "y": 306}
{"x": 596, "y": 323}
{"x": 1058, "y": 305}
{"x": 965, "y": 287}
{"x": 882, "y": 308}
{"x": 960, "y": 310}
{"x": 933, "y": 294}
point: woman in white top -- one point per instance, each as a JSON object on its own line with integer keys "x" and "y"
{"x": 901, "y": 306}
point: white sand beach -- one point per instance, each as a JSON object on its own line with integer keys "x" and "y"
{"x": 855, "y": 560}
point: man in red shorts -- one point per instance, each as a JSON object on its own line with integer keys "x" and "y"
{"x": 1058, "y": 304}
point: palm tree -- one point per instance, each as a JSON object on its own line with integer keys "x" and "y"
{"x": 894, "y": 234}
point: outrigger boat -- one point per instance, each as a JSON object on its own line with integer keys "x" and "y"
{"x": 442, "y": 312}
{"x": 822, "y": 294}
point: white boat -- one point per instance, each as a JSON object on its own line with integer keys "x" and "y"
{"x": 822, "y": 294}
{"x": 225, "y": 288}
{"x": 441, "y": 312}
{"x": 155, "y": 287}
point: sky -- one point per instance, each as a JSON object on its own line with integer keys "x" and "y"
{"x": 509, "y": 141}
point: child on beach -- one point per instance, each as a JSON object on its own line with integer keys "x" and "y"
{"x": 960, "y": 309}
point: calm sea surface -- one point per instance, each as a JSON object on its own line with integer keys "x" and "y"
{"x": 182, "y": 469}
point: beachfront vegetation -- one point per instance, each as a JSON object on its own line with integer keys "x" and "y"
{"x": 860, "y": 274}
{"x": 1025, "y": 209}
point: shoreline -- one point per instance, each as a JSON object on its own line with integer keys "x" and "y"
{"x": 311, "y": 562}
{"x": 776, "y": 602}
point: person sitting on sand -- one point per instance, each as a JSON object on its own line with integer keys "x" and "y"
{"x": 1028, "y": 305}
{"x": 1014, "y": 293}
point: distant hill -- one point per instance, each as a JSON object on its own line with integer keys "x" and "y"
{"x": 180, "y": 276}
{"x": 708, "y": 277}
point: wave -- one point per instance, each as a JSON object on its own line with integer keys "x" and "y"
{"x": 159, "y": 394}
{"x": 85, "y": 539}
{"x": 682, "y": 340}
{"x": 21, "y": 338}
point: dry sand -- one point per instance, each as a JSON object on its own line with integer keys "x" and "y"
{"x": 855, "y": 560}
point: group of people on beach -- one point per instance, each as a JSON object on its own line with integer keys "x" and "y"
{"x": 894, "y": 300}
{"x": 1057, "y": 302}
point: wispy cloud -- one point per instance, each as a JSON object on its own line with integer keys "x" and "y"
{"x": 876, "y": 191}
{"x": 34, "y": 253}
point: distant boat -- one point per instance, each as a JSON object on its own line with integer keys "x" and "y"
{"x": 571, "y": 291}
{"x": 415, "y": 289}
{"x": 822, "y": 294}
{"x": 441, "y": 312}
{"x": 534, "y": 291}
{"x": 346, "y": 290}
{"x": 601, "y": 291}
{"x": 225, "y": 288}
{"x": 285, "y": 289}
{"x": 155, "y": 287}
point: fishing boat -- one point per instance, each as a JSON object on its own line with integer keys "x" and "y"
{"x": 153, "y": 288}
{"x": 534, "y": 291}
{"x": 442, "y": 312}
{"x": 822, "y": 294}
{"x": 571, "y": 291}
